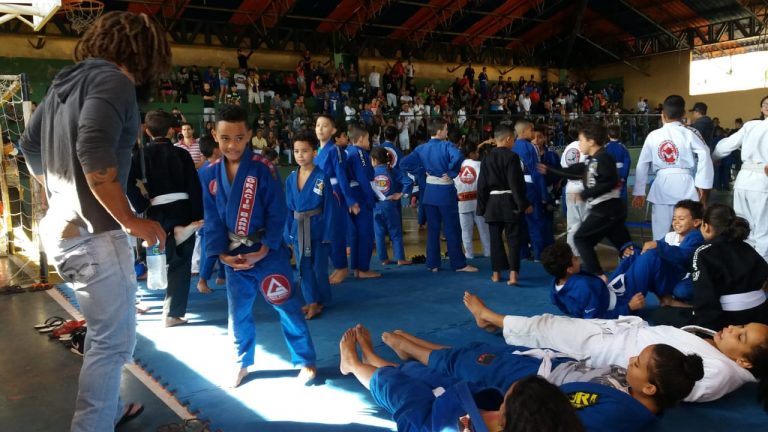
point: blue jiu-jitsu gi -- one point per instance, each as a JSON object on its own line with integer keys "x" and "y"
{"x": 585, "y": 295}
{"x": 395, "y": 156}
{"x": 407, "y": 393}
{"x": 309, "y": 228}
{"x": 600, "y": 405}
{"x": 360, "y": 178}
{"x": 207, "y": 262}
{"x": 623, "y": 163}
{"x": 240, "y": 216}
{"x": 540, "y": 233}
{"x": 441, "y": 161}
{"x": 332, "y": 160}
{"x": 386, "y": 213}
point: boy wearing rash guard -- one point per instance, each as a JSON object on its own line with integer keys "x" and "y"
{"x": 245, "y": 213}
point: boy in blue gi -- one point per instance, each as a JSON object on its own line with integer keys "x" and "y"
{"x": 332, "y": 160}
{"x": 535, "y": 189}
{"x": 584, "y": 295}
{"x": 360, "y": 177}
{"x": 441, "y": 160}
{"x": 389, "y": 188}
{"x": 670, "y": 258}
{"x": 623, "y": 160}
{"x": 309, "y": 226}
{"x": 211, "y": 152}
{"x": 420, "y": 399}
{"x": 244, "y": 217}
{"x": 609, "y": 398}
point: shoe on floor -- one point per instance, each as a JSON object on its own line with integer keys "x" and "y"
{"x": 174, "y": 321}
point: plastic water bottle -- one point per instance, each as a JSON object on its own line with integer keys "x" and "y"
{"x": 157, "y": 273}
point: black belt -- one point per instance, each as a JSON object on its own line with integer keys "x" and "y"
{"x": 304, "y": 232}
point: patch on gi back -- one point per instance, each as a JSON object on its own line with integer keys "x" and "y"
{"x": 212, "y": 187}
{"x": 467, "y": 175}
{"x": 276, "y": 289}
{"x": 485, "y": 359}
{"x": 581, "y": 400}
{"x": 668, "y": 152}
{"x": 319, "y": 187}
{"x": 572, "y": 156}
{"x": 382, "y": 183}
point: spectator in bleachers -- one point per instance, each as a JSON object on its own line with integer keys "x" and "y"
{"x": 190, "y": 144}
{"x": 374, "y": 80}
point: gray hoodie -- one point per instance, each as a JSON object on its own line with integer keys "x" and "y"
{"x": 87, "y": 122}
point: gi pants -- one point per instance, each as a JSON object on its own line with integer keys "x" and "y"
{"x": 339, "y": 239}
{"x": 515, "y": 234}
{"x": 468, "y": 221}
{"x": 386, "y": 218}
{"x": 179, "y": 276}
{"x": 605, "y": 220}
{"x": 576, "y": 212}
{"x": 361, "y": 246}
{"x": 447, "y": 217}
{"x": 752, "y": 205}
{"x": 313, "y": 273}
{"x": 539, "y": 231}
{"x": 270, "y": 278}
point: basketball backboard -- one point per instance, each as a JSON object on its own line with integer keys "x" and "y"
{"x": 35, "y": 13}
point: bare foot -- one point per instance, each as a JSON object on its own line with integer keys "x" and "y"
{"x": 435, "y": 270}
{"x": 495, "y": 277}
{"x": 367, "y": 274}
{"x": 366, "y": 347}
{"x": 348, "y": 353}
{"x": 512, "y": 278}
{"x": 313, "y": 310}
{"x": 478, "y": 309}
{"x": 307, "y": 374}
{"x": 220, "y": 281}
{"x": 396, "y": 342}
{"x": 468, "y": 269}
{"x": 182, "y": 233}
{"x": 404, "y": 262}
{"x": 202, "y": 287}
{"x": 338, "y": 276}
{"x": 241, "y": 374}
{"x": 386, "y": 262}
{"x": 418, "y": 341}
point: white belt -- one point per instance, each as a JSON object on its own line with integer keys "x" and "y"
{"x": 546, "y": 356}
{"x": 742, "y": 301}
{"x": 611, "y": 300}
{"x": 168, "y": 198}
{"x": 619, "y": 164}
{"x": 438, "y": 180}
{"x": 756, "y": 167}
{"x": 500, "y": 192}
{"x": 674, "y": 171}
{"x": 334, "y": 181}
{"x": 528, "y": 178}
{"x": 354, "y": 183}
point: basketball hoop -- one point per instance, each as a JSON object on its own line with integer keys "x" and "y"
{"x": 81, "y": 14}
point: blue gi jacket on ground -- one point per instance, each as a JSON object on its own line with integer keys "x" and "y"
{"x": 585, "y": 295}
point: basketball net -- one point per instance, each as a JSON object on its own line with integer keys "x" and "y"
{"x": 81, "y": 14}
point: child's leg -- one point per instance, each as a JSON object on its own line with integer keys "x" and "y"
{"x": 350, "y": 363}
{"x": 320, "y": 270}
{"x": 661, "y": 219}
{"x": 482, "y": 230}
{"x": 434, "y": 221}
{"x": 591, "y": 231}
{"x": 379, "y": 229}
{"x": 366, "y": 347}
{"x": 575, "y": 215}
{"x": 452, "y": 231}
{"x": 499, "y": 260}
{"x": 339, "y": 240}
{"x": 179, "y": 277}
{"x": 405, "y": 348}
{"x": 467, "y": 224}
{"x": 241, "y": 293}
{"x": 362, "y": 245}
{"x": 395, "y": 230}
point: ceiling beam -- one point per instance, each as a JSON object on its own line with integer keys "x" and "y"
{"x": 580, "y": 10}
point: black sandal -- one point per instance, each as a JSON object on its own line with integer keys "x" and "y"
{"x": 128, "y": 416}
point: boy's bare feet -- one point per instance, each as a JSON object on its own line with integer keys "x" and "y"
{"x": 366, "y": 347}
{"x": 404, "y": 262}
{"x": 313, "y": 310}
{"x": 182, "y": 233}
{"x": 348, "y": 352}
{"x": 241, "y": 374}
{"x": 396, "y": 342}
{"x": 495, "y": 277}
{"x": 220, "y": 281}
{"x": 478, "y": 309}
{"x": 468, "y": 268}
{"x": 338, "y": 276}
{"x": 512, "y": 278}
{"x": 307, "y": 374}
{"x": 367, "y": 274}
{"x": 202, "y": 287}
{"x": 419, "y": 341}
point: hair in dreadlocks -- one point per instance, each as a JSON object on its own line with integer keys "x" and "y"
{"x": 134, "y": 41}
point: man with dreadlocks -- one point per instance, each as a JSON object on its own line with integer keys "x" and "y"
{"x": 78, "y": 145}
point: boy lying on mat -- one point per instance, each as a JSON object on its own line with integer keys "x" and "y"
{"x": 732, "y": 357}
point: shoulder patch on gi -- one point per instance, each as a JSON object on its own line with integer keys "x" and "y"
{"x": 212, "y": 187}
{"x": 668, "y": 152}
{"x": 485, "y": 358}
{"x": 572, "y": 156}
{"x": 276, "y": 289}
{"x": 467, "y": 174}
{"x": 319, "y": 187}
{"x": 392, "y": 156}
{"x": 581, "y": 400}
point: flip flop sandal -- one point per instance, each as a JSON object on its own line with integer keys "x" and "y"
{"x": 11, "y": 289}
{"x": 66, "y": 328}
{"x": 53, "y": 325}
{"x": 128, "y": 416}
{"x": 47, "y": 323}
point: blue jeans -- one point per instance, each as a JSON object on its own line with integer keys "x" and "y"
{"x": 100, "y": 269}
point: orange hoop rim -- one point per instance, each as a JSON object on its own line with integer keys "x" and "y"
{"x": 81, "y": 5}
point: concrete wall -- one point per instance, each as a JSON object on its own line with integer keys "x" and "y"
{"x": 669, "y": 74}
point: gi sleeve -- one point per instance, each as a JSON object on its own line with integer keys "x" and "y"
{"x": 644, "y": 163}
{"x": 573, "y": 172}
{"x": 729, "y": 144}
{"x": 338, "y": 163}
{"x": 583, "y": 303}
{"x": 455, "y": 160}
{"x": 139, "y": 202}
{"x": 328, "y": 211}
{"x": 483, "y": 191}
{"x": 273, "y": 204}
{"x": 406, "y": 183}
{"x": 516, "y": 182}
{"x": 607, "y": 178}
{"x": 705, "y": 171}
{"x": 412, "y": 164}
{"x": 31, "y": 142}
{"x": 214, "y": 228}
{"x": 706, "y": 296}
{"x": 290, "y": 208}
{"x": 194, "y": 190}
{"x": 626, "y": 161}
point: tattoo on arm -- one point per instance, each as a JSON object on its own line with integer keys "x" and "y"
{"x": 101, "y": 177}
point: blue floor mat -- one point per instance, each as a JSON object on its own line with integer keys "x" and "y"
{"x": 196, "y": 360}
